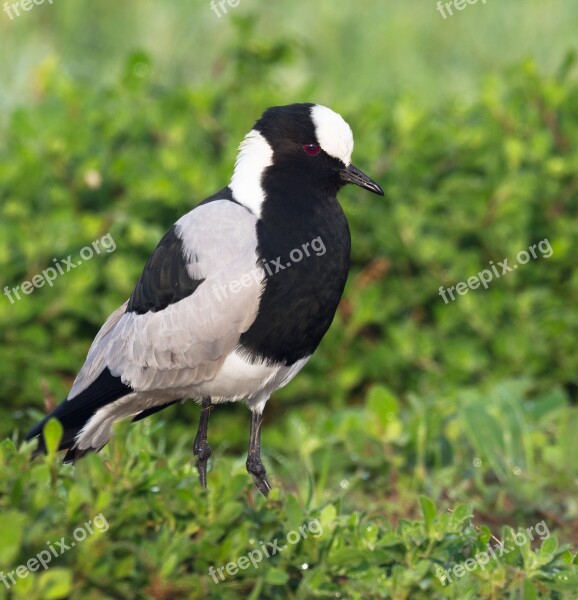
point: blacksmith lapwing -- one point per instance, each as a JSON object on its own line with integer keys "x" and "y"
{"x": 237, "y": 295}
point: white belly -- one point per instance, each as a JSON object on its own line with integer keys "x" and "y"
{"x": 236, "y": 380}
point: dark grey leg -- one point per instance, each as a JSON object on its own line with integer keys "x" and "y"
{"x": 201, "y": 448}
{"x": 254, "y": 464}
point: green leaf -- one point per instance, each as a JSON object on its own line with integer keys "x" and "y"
{"x": 11, "y": 530}
{"x": 547, "y": 550}
{"x": 276, "y": 576}
{"x": 52, "y": 433}
{"x": 327, "y": 518}
{"x": 294, "y": 512}
{"x": 390, "y": 539}
{"x": 56, "y": 583}
{"x": 530, "y": 592}
{"x": 382, "y": 404}
{"x": 347, "y": 557}
{"x": 461, "y": 514}
{"x": 428, "y": 511}
{"x": 485, "y": 435}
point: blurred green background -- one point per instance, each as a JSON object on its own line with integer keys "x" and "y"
{"x": 419, "y": 429}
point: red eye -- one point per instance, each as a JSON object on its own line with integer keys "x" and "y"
{"x": 312, "y": 149}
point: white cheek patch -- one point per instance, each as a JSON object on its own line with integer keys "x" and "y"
{"x": 255, "y": 155}
{"x": 333, "y": 133}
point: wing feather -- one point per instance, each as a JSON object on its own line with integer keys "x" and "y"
{"x": 187, "y": 341}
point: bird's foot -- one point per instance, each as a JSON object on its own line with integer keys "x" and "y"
{"x": 256, "y": 468}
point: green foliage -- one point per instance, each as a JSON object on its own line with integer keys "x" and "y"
{"x": 420, "y": 432}
{"x": 158, "y": 533}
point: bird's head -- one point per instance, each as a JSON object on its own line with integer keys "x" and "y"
{"x": 296, "y": 148}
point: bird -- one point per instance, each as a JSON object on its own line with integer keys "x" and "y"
{"x": 235, "y": 298}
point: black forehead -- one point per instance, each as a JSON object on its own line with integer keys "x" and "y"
{"x": 291, "y": 122}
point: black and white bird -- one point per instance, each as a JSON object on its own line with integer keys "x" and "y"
{"x": 237, "y": 295}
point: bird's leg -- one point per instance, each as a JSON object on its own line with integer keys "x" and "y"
{"x": 201, "y": 448}
{"x": 254, "y": 465}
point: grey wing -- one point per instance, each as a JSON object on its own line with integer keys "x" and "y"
{"x": 184, "y": 342}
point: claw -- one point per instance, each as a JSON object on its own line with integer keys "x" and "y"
{"x": 254, "y": 465}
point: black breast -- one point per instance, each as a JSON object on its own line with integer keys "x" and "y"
{"x": 304, "y": 248}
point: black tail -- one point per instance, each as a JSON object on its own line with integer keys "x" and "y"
{"x": 154, "y": 409}
{"x": 73, "y": 414}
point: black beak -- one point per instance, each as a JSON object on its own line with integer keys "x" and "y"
{"x": 352, "y": 174}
